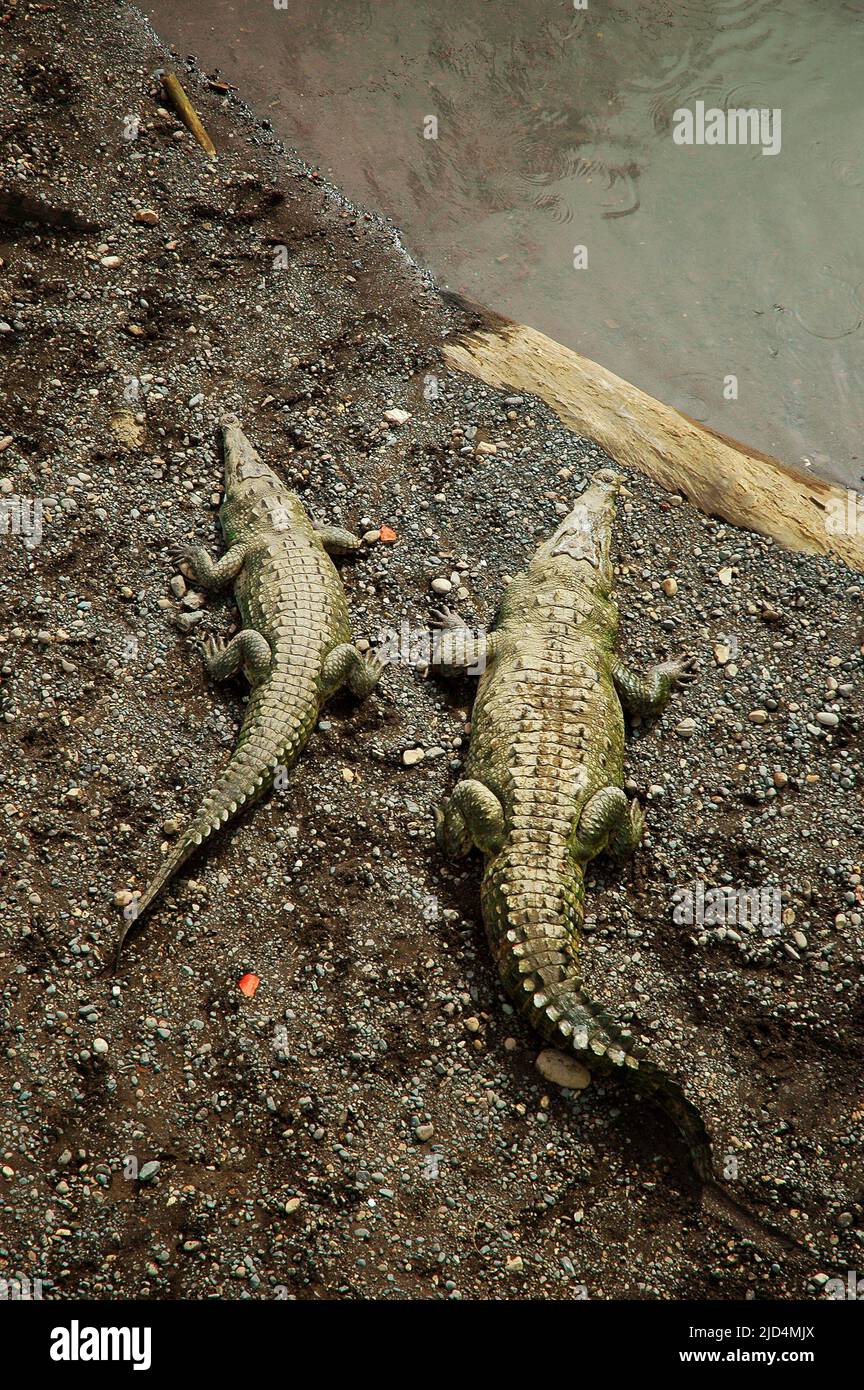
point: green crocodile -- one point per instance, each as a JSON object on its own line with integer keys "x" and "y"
{"x": 294, "y": 645}
{"x": 541, "y": 793}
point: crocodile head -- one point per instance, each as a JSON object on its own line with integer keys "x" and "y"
{"x": 581, "y": 548}
{"x": 253, "y": 492}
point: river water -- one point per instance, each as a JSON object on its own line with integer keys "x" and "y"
{"x": 530, "y": 152}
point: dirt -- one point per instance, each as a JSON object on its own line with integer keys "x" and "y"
{"x": 370, "y": 1123}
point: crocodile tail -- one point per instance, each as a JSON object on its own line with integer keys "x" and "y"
{"x": 533, "y": 907}
{"x": 215, "y": 811}
{"x": 248, "y": 775}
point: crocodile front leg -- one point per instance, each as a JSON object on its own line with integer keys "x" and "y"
{"x": 210, "y": 573}
{"x": 458, "y": 647}
{"x": 608, "y": 821}
{"x": 472, "y": 816}
{"x": 249, "y": 650}
{"x": 346, "y": 666}
{"x": 647, "y": 695}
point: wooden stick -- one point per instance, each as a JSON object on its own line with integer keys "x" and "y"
{"x": 186, "y": 112}
{"x": 719, "y": 475}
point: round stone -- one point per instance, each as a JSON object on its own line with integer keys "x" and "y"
{"x": 563, "y": 1070}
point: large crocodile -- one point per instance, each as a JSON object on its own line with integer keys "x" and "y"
{"x": 294, "y": 645}
{"x": 541, "y": 793}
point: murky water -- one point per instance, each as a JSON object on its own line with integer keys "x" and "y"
{"x": 725, "y": 281}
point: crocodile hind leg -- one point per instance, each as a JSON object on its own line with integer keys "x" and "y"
{"x": 249, "y": 650}
{"x": 346, "y": 666}
{"x": 647, "y": 695}
{"x": 472, "y": 816}
{"x": 609, "y": 821}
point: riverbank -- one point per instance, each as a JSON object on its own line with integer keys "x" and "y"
{"x": 371, "y": 1123}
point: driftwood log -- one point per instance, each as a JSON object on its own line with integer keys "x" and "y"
{"x": 720, "y": 476}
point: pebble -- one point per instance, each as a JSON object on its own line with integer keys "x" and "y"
{"x": 441, "y": 585}
{"x": 562, "y": 1070}
{"x": 397, "y": 416}
{"x": 127, "y": 429}
{"x": 413, "y": 755}
{"x": 424, "y": 1132}
{"x": 669, "y": 586}
{"x": 686, "y": 728}
{"x": 186, "y": 621}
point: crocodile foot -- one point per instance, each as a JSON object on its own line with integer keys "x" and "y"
{"x": 446, "y": 619}
{"x": 681, "y": 670}
{"x": 182, "y": 553}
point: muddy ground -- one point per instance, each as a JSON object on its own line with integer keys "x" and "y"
{"x": 371, "y": 1124}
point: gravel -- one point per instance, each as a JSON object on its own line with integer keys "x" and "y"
{"x": 370, "y": 1123}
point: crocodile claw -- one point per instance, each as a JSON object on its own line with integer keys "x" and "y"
{"x": 211, "y": 647}
{"x": 181, "y": 552}
{"x": 445, "y": 618}
{"x": 376, "y": 663}
{"x": 681, "y": 670}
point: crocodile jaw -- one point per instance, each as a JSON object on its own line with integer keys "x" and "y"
{"x": 252, "y": 490}
{"x": 582, "y": 545}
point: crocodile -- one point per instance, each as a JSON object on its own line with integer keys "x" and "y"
{"x": 294, "y": 645}
{"x": 541, "y": 791}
